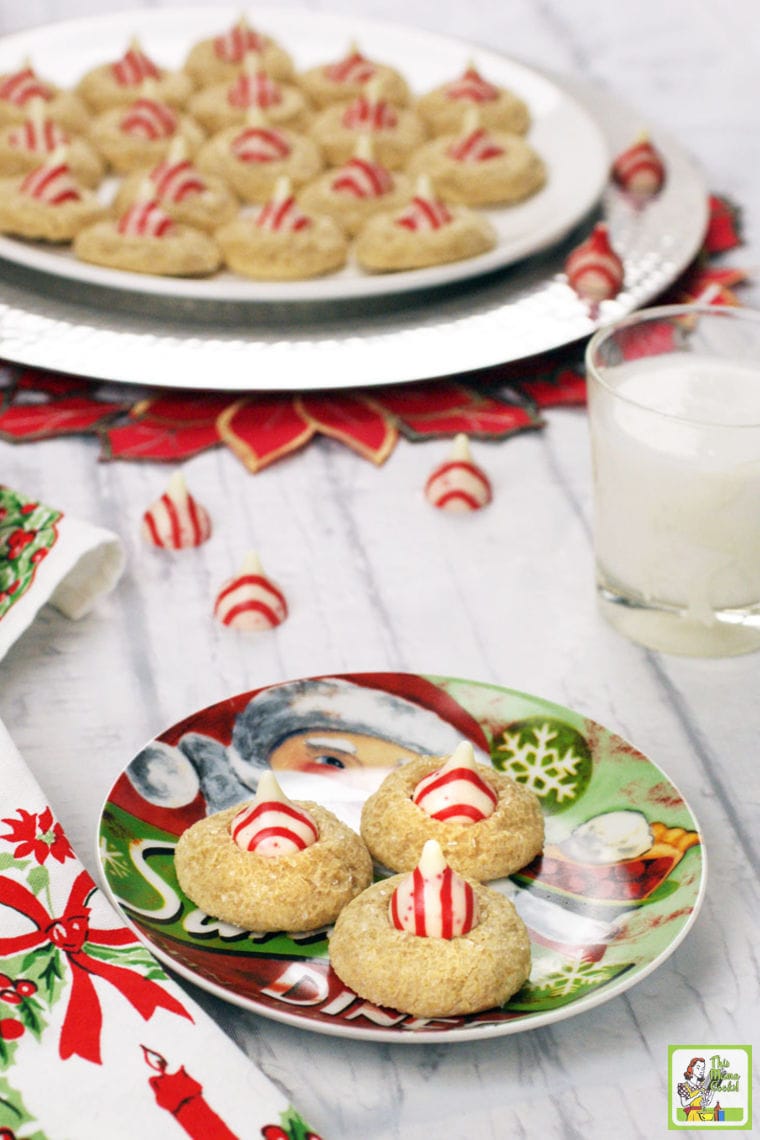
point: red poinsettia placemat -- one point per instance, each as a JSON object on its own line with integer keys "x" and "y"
{"x": 262, "y": 428}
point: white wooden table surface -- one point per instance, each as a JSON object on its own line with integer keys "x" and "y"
{"x": 377, "y": 580}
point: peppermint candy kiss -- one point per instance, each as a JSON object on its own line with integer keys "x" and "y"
{"x": 176, "y": 520}
{"x": 134, "y": 67}
{"x": 433, "y": 901}
{"x": 280, "y": 213}
{"x": 640, "y": 169}
{"x": 145, "y": 218}
{"x": 593, "y": 268}
{"x": 456, "y": 793}
{"x": 51, "y": 183}
{"x": 271, "y": 825}
{"x": 259, "y": 143}
{"x": 425, "y": 211}
{"x": 369, "y": 111}
{"x": 38, "y": 135}
{"x": 361, "y": 176}
{"x": 354, "y": 68}
{"x": 472, "y": 88}
{"x": 22, "y": 86}
{"x": 253, "y": 87}
{"x": 475, "y": 144}
{"x": 458, "y": 484}
{"x": 250, "y": 601}
{"x": 149, "y": 119}
{"x": 240, "y": 39}
{"x": 176, "y": 178}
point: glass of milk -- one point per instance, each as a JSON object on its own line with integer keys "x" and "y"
{"x": 674, "y": 414}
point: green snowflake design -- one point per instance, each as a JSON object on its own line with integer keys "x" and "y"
{"x": 548, "y": 756}
{"x": 27, "y": 534}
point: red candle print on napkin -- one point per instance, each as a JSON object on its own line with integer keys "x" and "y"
{"x": 182, "y": 1096}
{"x": 70, "y": 933}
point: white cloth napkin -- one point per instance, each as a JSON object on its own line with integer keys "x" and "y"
{"x": 95, "y": 1040}
{"x": 49, "y": 556}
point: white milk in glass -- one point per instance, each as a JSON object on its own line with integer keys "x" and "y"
{"x": 676, "y": 450}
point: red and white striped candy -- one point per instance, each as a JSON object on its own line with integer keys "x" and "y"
{"x": 134, "y": 67}
{"x": 233, "y": 45}
{"x": 456, "y": 793}
{"x": 51, "y": 183}
{"x": 472, "y": 88}
{"x": 433, "y": 901}
{"x": 370, "y": 113}
{"x": 477, "y": 146}
{"x": 175, "y": 181}
{"x": 640, "y": 169}
{"x": 148, "y": 119}
{"x": 281, "y": 214}
{"x": 38, "y": 135}
{"x": 424, "y": 212}
{"x": 260, "y": 144}
{"x": 362, "y": 178}
{"x": 145, "y": 219}
{"x": 458, "y": 484}
{"x": 593, "y": 268}
{"x": 250, "y": 601}
{"x": 254, "y": 90}
{"x": 22, "y": 86}
{"x": 176, "y": 520}
{"x": 272, "y": 825}
{"x": 354, "y": 68}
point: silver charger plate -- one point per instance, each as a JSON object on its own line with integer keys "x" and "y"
{"x": 173, "y": 341}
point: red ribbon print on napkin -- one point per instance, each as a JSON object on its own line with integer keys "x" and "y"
{"x": 70, "y": 933}
{"x": 261, "y": 429}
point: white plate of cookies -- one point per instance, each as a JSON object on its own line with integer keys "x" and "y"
{"x": 285, "y": 155}
{"x": 398, "y": 857}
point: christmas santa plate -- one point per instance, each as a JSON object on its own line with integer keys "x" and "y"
{"x": 618, "y": 885}
{"x": 565, "y": 135}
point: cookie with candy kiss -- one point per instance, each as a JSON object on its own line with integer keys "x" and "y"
{"x": 225, "y": 104}
{"x": 355, "y": 191}
{"x": 346, "y": 78}
{"x": 250, "y": 601}
{"x": 25, "y": 145}
{"x": 444, "y": 109}
{"x": 117, "y": 83}
{"x": 640, "y": 170}
{"x": 396, "y": 131}
{"x": 431, "y": 943}
{"x": 47, "y": 204}
{"x": 458, "y": 484}
{"x": 18, "y": 89}
{"x": 272, "y": 864}
{"x": 281, "y": 242}
{"x": 220, "y": 58}
{"x": 138, "y": 134}
{"x": 488, "y": 825}
{"x": 176, "y": 520}
{"x": 145, "y": 239}
{"x": 425, "y": 232}
{"x": 593, "y": 268}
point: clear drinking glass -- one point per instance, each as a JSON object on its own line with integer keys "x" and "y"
{"x": 674, "y": 415}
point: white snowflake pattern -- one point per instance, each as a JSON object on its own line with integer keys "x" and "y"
{"x": 539, "y": 764}
{"x": 112, "y": 860}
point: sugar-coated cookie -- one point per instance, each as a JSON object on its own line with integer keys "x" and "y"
{"x": 18, "y": 88}
{"x": 281, "y": 243}
{"x": 342, "y": 80}
{"x": 395, "y": 827}
{"x": 47, "y": 204}
{"x": 146, "y": 240}
{"x": 299, "y": 879}
{"x": 140, "y": 134}
{"x": 23, "y": 146}
{"x": 185, "y": 193}
{"x": 396, "y": 131}
{"x": 355, "y": 191}
{"x": 253, "y": 157}
{"x": 220, "y": 58}
{"x": 444, "y": 108}
{"x": 478, "y": 167}
{"x": 226, "y": 104}
{"x": 119, "y": 83}
{"x": 404, "y": 965}
{"x": 426, "y": 232}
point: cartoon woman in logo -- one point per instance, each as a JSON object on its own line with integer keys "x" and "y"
{"x": 695, "y": 1092}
